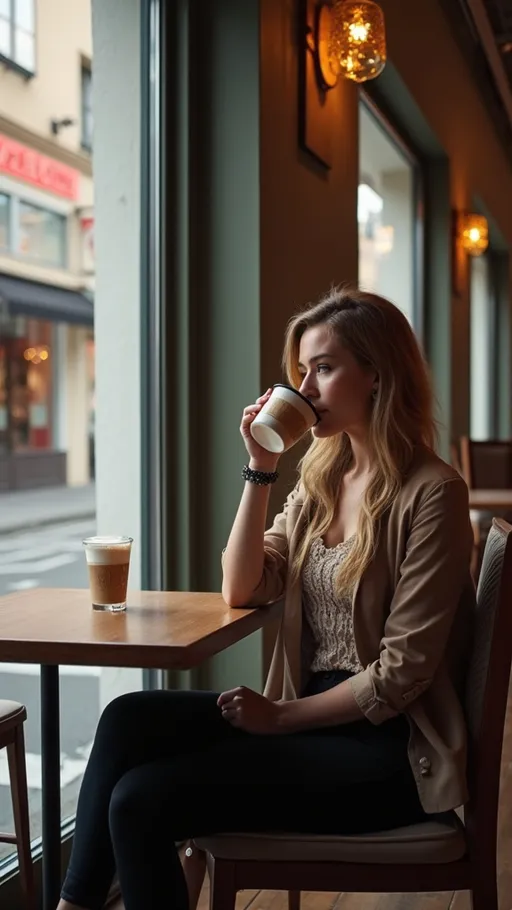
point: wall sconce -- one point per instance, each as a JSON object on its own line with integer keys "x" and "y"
{"x": 349, "y": 40}
{"x": 473, "y": 233}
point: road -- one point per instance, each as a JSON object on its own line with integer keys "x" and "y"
{"x": 48, "y": 557}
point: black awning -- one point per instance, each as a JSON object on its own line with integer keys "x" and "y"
{"x": 44, "y": 301}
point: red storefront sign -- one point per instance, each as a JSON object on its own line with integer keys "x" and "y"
{"x": 25, "y": 164}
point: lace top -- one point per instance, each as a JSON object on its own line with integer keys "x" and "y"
{"x": 329, "y": 618}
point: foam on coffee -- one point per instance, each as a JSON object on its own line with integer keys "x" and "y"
{"x": 107, "y": 554}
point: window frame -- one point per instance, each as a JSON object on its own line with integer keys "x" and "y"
{"x": 398, "y": 138}
{"x": 9, "y": 60}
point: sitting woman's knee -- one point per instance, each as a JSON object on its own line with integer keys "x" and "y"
{"x": 117, "y": 718}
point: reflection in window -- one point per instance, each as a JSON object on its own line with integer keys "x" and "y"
{"x": 17, "y": 32}
{"x": 5, "y": 212}
{"x": 385, "y": 214}
{"x": 42, "y": 235}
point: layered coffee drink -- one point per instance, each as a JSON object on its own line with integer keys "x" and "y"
{"x": 108, "y": 561}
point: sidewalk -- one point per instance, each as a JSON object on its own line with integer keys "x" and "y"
{"x": 23, "y": 509}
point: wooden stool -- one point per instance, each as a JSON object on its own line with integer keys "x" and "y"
{"x": 12, "y": 718}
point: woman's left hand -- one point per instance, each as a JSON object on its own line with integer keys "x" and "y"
{"x": 250, "y": 711}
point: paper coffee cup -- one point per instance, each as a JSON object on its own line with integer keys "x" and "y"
{"x": 284, "y": 419}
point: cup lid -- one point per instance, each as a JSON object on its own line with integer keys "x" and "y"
{"x": 284, "y": 385}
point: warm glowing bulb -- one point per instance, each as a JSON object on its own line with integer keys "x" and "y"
{"x": 474, "y": 233}
{"x": 358, "y": 31}
{"x": 357, "y": 46}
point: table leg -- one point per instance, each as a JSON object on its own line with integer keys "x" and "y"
{"x": 50, "y": 761}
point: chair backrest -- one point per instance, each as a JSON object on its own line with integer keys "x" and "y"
{"x": 488, "y": 680}
{"x": 486, "y": 465}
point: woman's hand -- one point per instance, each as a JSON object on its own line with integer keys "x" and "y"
{"x": 250, "y": 711}
{"x": 260, "y": 459}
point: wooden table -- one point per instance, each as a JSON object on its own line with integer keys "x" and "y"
{"x": 491, "y": 500}
{"x": 169, "y": 630}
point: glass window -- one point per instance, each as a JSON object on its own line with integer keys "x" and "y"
{"x": 5, "y": 213}
{"x": 5, "y": 37}
{"x": 482, "y": 362}
{"x": 42, "y": 235}
{"x": 87, "y": 119}
{"x": 29, "y": 368}
{"x": 24, "y": 15}
{"x": 385, "y": 214}
{"x": 17, "y": 32}
{"x": 47, "y": 408}
{"x": 24, "y": 47}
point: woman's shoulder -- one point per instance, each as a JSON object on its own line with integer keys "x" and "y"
{"x": 427, "y": 471}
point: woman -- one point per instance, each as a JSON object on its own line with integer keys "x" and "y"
{"x": 361, "y": 726}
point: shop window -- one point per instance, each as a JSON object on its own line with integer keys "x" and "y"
{"x": 17, "y": 33}
{"x": 26, "y": 387}
{"x": 5, "y": 214}
{"x": 87, "y": 120}
{"x": 387, "y": 201}
{"x": 42, "y": 235}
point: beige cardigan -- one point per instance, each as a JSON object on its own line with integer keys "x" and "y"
{"x": 413, "y": 617}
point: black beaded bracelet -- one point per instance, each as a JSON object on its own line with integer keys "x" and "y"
{"x": 262, "y": 478}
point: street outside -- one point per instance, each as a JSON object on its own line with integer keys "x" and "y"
{"x": 48, "y": 557}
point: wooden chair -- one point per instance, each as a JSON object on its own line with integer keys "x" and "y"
{"x": 487, "y": 464}
{"x": 443, "y": 854}
{"x": 12, "y": 718}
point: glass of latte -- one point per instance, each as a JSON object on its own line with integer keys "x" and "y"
{"x": 108, "y": 561}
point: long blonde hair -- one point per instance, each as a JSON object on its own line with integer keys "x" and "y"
{"x": 380, "y": 338}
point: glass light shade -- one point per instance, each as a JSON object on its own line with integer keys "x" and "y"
{"x": 474, "y": 234}
{"x": 358, "y": 40}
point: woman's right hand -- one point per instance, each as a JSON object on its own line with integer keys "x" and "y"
{"x": 260, "y": 458}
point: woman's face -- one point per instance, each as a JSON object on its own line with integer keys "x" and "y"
{"x": 335, "y": 382}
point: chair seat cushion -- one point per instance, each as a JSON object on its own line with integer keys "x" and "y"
{"x": 9, "y": 709}
{"x": 439, "y": 840}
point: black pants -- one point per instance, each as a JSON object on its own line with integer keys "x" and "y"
{"x": 166, "y": 766}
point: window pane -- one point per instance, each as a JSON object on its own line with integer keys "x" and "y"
{"x": 30, "y": 365}
{"x": 5, "y": 209}
{"x": 24, "y": 49}
{"x": 87, "y": 122}
{"x": 24, "y": 14}
{"x": 481, "y": 349}
{"x": 385, "y": 215}
{"x": 5, "y": 37}
{"x": 42, "y": 235}
{"x": 47, "y": 419}
{"x": 5, "y": 9}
